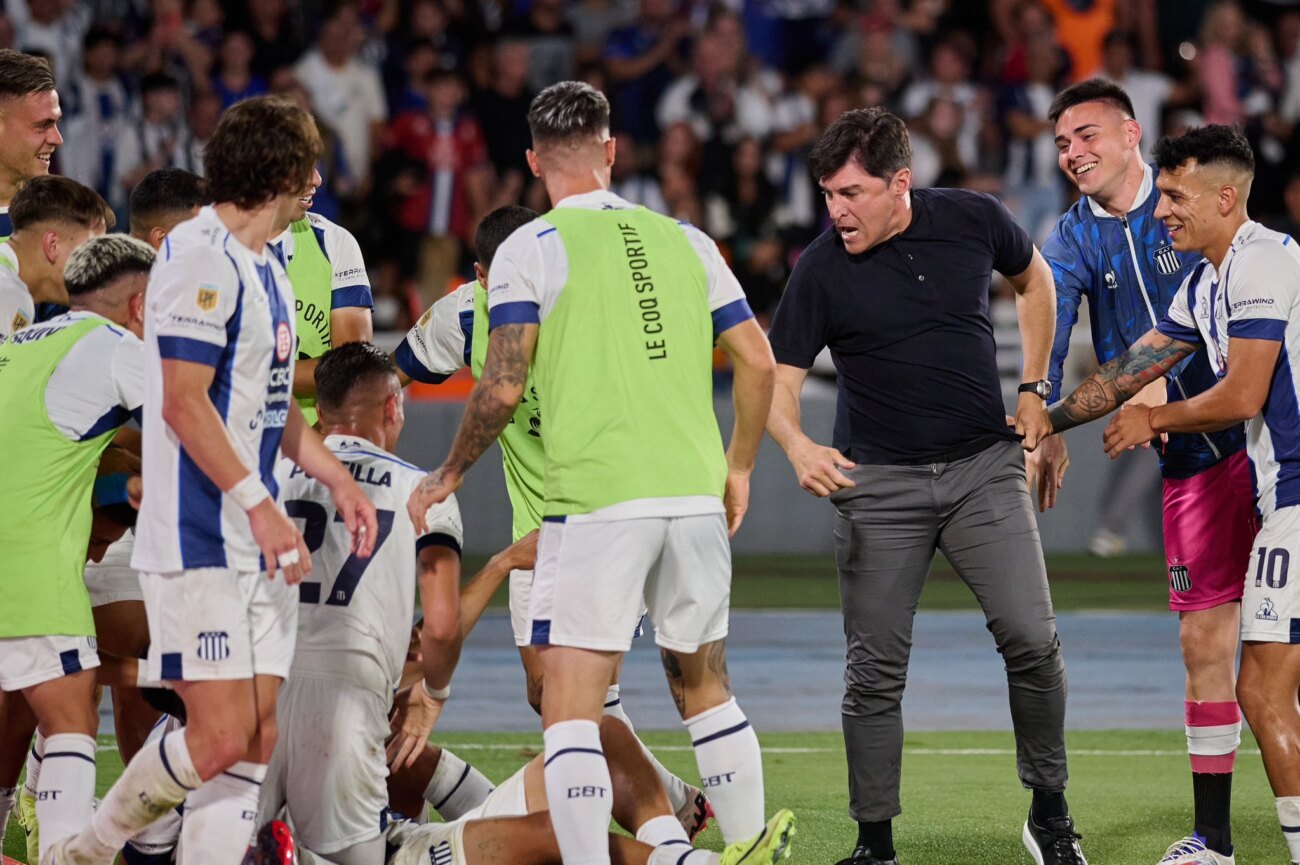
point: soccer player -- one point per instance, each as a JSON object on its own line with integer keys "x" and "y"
{"x": 218, "y": 413}
{"x": 51, "y": 217}
{"x": 65, "y": 386}
{"x": 617, "y": 309}
{"x": 29, "y": 125}
{"x": 352, "y": 622}
{"x": 1240, "y": 306}
{"x": 330, "y": 287}
{"x": 164, "y": 199}
{"x": 1111, "y": 249}
{"x": 514, "y": 826}
{"x": 454, "y": 333}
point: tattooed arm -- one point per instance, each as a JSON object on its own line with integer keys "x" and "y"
{"x": 1115, "y": 382}
{"x": 491, "y": 404}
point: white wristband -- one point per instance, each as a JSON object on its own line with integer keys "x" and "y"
{"x": 440, "y": 694}
{"x": 249, "y": 493}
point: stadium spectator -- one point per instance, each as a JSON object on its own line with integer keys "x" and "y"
{"x": 549, "y": 35}
{"x": 631, "y": 180}
{"x": 345, "y": 91}
{"x": 449, "y": 180}
{"x": 949, "y": 78}
{"x": 923, "y": 458}
{"x": 158, "y": 139}
{"x": 1149, "y": 90}
{"x": 642, "y": 59}
{"x": 235, "y": 79}
{"x": 98, "y": 108}
{"x": 1081, "y": 27}
{"x": 278, "y": 39}
{"x": 502, "y": 109}
{"x": 53, "y": 28}
{"x": 1033, "y": 186}
{"x": 204, "y": 115}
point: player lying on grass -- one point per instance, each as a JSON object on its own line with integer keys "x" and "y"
{"x": 1241, "y": 305}
{"x": 453, "y": 333}
{"x": 513, "y": 826}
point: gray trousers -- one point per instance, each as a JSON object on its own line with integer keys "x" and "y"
{"x": 977, "y": 511}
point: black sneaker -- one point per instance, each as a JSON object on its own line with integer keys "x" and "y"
{"x": 862, "y": 856}
{"x": 1055, "y": 844}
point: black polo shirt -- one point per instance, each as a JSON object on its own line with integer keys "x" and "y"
{"x": 907, "y": 323}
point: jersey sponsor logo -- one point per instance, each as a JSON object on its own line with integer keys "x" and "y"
{"x": 1254, "y": 301}
{"x": 424, "y": 319}
{"x": 207, "y": 297}
{"x": 214, "y": 645}
{"x": 1166, "y": 260}
{"x": 1266, "y": 612}
{"x": 1180, "y": 579}
{"x": 283, "y": 342}
{"x": 1110, "y": 280}
{"x": 20, "y": 321}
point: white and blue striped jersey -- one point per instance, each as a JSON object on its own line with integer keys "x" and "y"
{"x": 213, "y": 301}
{"x": 1254, "y": 294}
{"x": 355, "y": 614}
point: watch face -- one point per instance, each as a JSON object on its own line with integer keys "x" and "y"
{"x": 1044, "y": 389}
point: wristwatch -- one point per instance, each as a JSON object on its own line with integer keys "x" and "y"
{"x": 1042, "y": 389}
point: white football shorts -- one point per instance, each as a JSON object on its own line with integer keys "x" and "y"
{"x": 113, "y": 579}
{"x": 1270, "y": 607}
{"x": 28, "y": 661}
{"x": 217, "y": 623}
{"x": 592, "y": 576}
{"x": 329, "y": 765}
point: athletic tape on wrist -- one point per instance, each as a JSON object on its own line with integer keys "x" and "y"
{"x": 249, "y": 493}
{"x": 440, "y": 694}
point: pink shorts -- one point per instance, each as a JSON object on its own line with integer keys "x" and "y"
{"x": 1210, "y": 524}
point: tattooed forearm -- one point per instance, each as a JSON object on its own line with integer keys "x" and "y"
{"x": 1117, "y": 381}
{"x": 494, "y": 398}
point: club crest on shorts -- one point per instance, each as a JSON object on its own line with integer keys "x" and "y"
{"x": 283, "y": 342}
{"x": 214, "y": 645}
{"x": 207, "y": 297}
{"x": 1180, "y": 579}
{"x": 1266, "y": 612}
{"x": 441, "y": 855}
{"x": 1166, "y": 260}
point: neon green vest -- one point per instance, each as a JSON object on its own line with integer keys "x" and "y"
{"x": 522, "y": 454}
{"x": 625, "y": 361}
{"x": 312, "y": 277}
{"x": 45, "y": 510}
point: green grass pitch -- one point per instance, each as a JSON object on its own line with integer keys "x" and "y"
{"x": 1130, "y": 790}
{"x": 1130, "y": 793}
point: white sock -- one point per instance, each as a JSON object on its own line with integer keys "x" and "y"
{"x": 155, "y": 781}
{"x": 679, "y": 792}
{"x": 731, "y": 769}
{"x": 456, "y": 787}
{"x": 675, "y": 854}
{"x": 7, "y": 797}
{"x": 579, "y": 792}
{"x": 664, "y": 829}
{"x": 65, "y": 794}
{"x": 1288, "y": 814}
{"x": 221, "y": 816}
{"x": 34, "y": 757}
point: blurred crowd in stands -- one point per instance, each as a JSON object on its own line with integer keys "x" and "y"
{"x": 715, "y": 102}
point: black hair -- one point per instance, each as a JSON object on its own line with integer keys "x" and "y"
{"x": 54, "y": 198}
{"x": 1208, "y": 145}
{"x": 872, "y": 137}
{"x": 566, "y": 111}
{"x": 349, "y": 367}
{"x": 496, "y": 227}
{"x": 166, "y": 191}
{"x": 1092, "y": 90}
{"x": 158, "y": 81}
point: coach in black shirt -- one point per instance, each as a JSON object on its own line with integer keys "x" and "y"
{"x": 923, "y": 456}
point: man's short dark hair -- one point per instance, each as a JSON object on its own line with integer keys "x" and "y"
{"x": 1092, "y": 90}
{"x": 353, "y": 366}
{"x": 1208, "y": 145}
{"x": 101, "y": 261}
{"x": 155, "y": 81}
{"x": 99, "y": 35}
{"x": 496, "y": 227}
{"x": 871, "y": 137}
{"x": 567, "y": 111}
{"x": 54, "y": 198}
{"x": 263, "y": 147}
{"x": 23, "y": 74}
{"x": 164, "y": 192}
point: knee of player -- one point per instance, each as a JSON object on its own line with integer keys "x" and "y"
{"x": 1253, "y": 695}
{"x": 1033, "y": 654}
{"x": 535, "y": 694}
{"x": 216, "y": 750}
